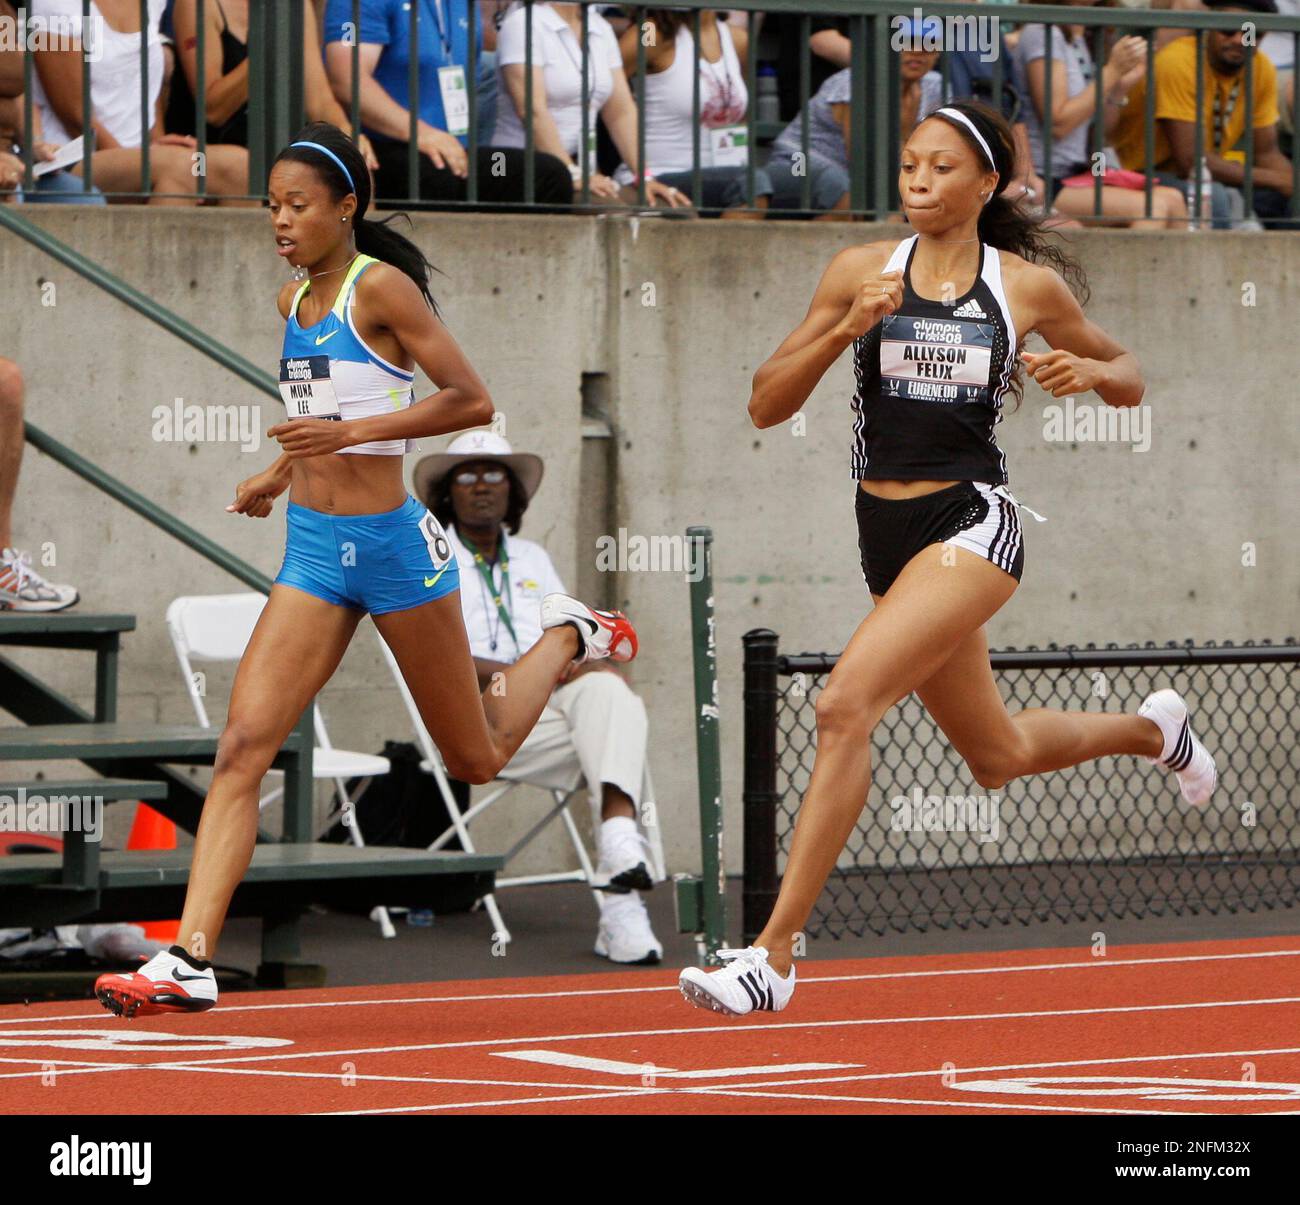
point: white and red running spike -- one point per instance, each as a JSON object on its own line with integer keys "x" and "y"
{"x": 165, "y": 984}
{"x": 601, "y": 633}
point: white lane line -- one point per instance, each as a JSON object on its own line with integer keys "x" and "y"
{"x": 595, "y": 1094}
{"x": 995, "y": 1106}
{"x": 770, "y": 1026}
{"x": 417, "y": 1079}
{"x": 1093, "y": 964}
{"x": 578, "y": 1062}
{"x": 87, "y": 1066}
{"x": 940, "y": 1072}
{"x": 501, "y": 1104}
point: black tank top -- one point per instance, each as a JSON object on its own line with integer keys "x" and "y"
{"x": 179, "y": 116}
{"x": 931, "y": 379}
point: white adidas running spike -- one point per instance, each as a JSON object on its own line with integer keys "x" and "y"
{"x": 601, "y": 633}
{"x": 746, "y": 983}
{"x": 1182, "y": 753}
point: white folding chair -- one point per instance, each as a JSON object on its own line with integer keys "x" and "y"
{"x": 501, "y": 786}
{"x": 217, "y": 627}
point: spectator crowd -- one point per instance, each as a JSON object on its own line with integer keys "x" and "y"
{"x": 590, "y": 135}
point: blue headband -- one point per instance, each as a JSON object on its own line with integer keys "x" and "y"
{"x": 324, "y": 150}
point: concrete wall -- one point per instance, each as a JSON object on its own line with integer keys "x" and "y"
{"x": 678, "y": 315}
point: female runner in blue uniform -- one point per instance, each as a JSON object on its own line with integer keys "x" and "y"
{"x": 938, "y": 532}
{"x": 357, "y": 542}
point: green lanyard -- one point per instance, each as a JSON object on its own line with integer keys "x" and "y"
{"x": 503, "y": 607}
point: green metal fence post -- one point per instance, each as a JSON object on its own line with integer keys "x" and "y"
{"x": 713, "y": 871}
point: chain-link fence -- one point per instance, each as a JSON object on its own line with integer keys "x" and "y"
{"x": 1110, "y": 838}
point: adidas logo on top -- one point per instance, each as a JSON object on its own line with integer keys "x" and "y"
{"x": 970, "y": 310}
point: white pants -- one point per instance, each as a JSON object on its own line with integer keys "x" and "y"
{"x": 593, "y": 728}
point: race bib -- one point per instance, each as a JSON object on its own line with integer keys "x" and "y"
{"x": 936, "y": 360}
{"x": 455, "y": 99}
{"x": 436, "y": 540}
{"x": 306, "y": 387}
{"x": 728, "y": 147}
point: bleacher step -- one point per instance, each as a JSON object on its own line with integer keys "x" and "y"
{"x": 16, "y": 627}
{"x": 271, "y": 863}
{"x": 110, "y": 790}
{"x": 166, "y": 742}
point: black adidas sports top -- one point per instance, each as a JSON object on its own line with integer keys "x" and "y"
{"x": 931, "y": 378}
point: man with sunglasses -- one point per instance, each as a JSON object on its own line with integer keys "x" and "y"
{"x": 1222, "y": 115}
{"x": 594, "y": 725}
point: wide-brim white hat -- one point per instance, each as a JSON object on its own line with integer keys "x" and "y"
{"x": 477, "y": 445}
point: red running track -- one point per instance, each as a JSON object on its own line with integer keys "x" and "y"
{"x": 1189, "y": 1028}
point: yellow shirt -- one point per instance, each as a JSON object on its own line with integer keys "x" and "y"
{"x": 1175, "y": 76}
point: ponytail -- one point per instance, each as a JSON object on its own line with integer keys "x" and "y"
{"x": 377, "y": 239}
{"x": 1003, "y": 223}
{"x": 372, "y": 238}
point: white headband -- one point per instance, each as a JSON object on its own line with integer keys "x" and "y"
{"x": 970, "y": 125}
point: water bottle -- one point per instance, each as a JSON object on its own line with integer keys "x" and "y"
{"x": 420, "y": 918}
{"x": 1207, "y": 193}
{"x": 1202, "y": 181}
{"x": 767, "y": 105}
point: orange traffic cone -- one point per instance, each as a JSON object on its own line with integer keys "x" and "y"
{"x": 152, "y": 830}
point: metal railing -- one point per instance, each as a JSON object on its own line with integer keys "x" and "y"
{"x": 1108, "y": 838}
{"x": 276, "y": 93}
{"x": 196, "y": 338}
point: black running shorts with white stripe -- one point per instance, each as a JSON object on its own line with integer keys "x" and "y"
{"x": 968, "y": 515}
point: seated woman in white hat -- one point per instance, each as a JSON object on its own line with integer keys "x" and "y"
{"x": 478, "y": 490}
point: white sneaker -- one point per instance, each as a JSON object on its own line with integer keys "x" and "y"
{"x": 746, "y": 984}
{"x": 624, "y": 856}
{"x": 1182, "y": 753}
{"x": 624, "y": 934}
{"x": 600, "y": 633}
{"x": 23, "y": 589}
{"x": 165, "y": 984}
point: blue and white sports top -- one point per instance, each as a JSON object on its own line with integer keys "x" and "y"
{"x": 328, "y": 370}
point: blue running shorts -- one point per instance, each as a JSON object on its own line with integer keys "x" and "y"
{"x": 375, "y": 563}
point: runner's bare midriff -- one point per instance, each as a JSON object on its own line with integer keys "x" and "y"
{"x": 895, "y": 490}
{"x": 348, "y": 483}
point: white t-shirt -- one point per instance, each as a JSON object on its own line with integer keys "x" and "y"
{"x": 532, "y": 578}
{"x": 669, "y": 103}
{"x": 114, "y": 71}
{"x": 557, "y": 51}
{"x": 1280, "y": 47}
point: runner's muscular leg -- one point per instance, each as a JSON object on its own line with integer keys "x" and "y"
{"x": 476, "y": 734}
{"x": 929, "y": 610}
{"x": 962, "y": 697}
{"x": 294, "y": 649}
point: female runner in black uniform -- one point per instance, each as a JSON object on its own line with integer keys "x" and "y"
{"x": 936, "y": 324}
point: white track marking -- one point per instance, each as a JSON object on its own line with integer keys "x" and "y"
{"x": 417, "y": 1079}
{"x": 1145, "y": 1087}
{"x": 718, "y": 1030}
{"x": 82, "y": 1067}
{"x": 133, "y": 1039}
{"x": 578, "y": 1062}
{"x": 776, "y": 1096}
{"x": 995, "y": 1106}
{"x": 939, "y": 1072}
{"x": 1093, "y": 964}
{"x": 595, "y": 1094}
